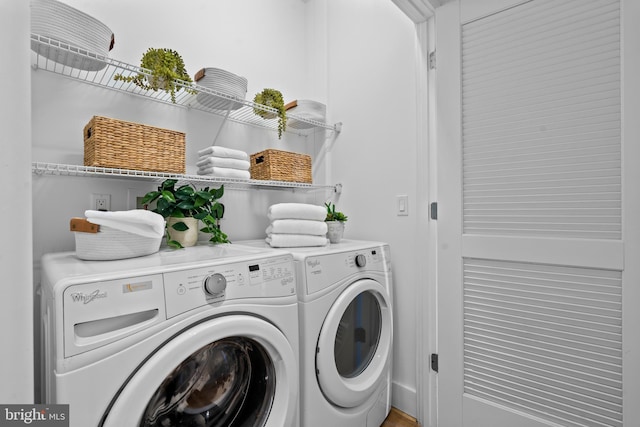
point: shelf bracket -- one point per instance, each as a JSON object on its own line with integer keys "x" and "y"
{"x": 224, "y": 120}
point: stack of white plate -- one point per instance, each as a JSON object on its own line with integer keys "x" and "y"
{"x": 223, "y": 82}
{"x": 74, "y": 30}
{"x": 306, "y": 109}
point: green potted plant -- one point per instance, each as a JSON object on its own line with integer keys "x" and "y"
{"x": 161, "y": 69}
{"x": 272, "y": 98}
{"x": 183, "y": 207}
{"x": 335, "y": 223}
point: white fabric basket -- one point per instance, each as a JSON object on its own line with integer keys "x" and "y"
{"x": 74, "y": 31}
{"x": 110, "y": 244}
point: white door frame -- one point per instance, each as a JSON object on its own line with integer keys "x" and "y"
{"x": 630, "y": 207}
{"x": 426, "y": 299}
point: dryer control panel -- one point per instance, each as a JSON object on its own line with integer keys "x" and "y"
{"x": 264, "y": 278}
{"x": 325, "y": 270}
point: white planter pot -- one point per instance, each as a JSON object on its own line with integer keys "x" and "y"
{"x": 335, "y": 231}
{"x": 185, "y": 238}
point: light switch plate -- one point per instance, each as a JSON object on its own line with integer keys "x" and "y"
{"x": 402, "y": 205}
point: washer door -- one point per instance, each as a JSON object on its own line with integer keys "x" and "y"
{"x": 354, "y": 344}
{"x": 228, "y": 371}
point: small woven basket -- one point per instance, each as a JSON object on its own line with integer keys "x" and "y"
{"x": 119, "y": 144}
{"x": 278, "y": 165}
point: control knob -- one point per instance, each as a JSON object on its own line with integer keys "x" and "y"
{"x": 361, "y": 260}
{"x": 215, "y": 284}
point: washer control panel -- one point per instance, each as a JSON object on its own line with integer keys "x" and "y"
{"x": 263, "y": 278}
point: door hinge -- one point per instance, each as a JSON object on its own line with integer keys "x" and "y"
{"x": 434, "y": 362}
{"x": 432, "y": 60}
{"x": 434, "y": 210}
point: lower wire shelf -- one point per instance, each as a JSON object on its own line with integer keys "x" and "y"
{"x": 56, "y": 169}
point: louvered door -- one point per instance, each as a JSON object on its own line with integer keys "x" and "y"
{"x": 531, "y": 268}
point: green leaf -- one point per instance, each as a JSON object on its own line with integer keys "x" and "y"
{"x": 180, "y": 226}
{"x": 163, "y": 207}
{"x": 185, "y": 192}
{"x": 177, "y": 213}
{"x": 186, "y": 205}
{"x": 200, "y": 215}
{"x": 168, "y": 196}
{"x": 168, "y": 184}
{"x": 204, "y": 195}
{"x": 217, "y": 193}
{"x": 209, "y": 219}
{"x": 150, "y": 197}
{"x": 174, "y": 244}
{"x": 218, "y": 210}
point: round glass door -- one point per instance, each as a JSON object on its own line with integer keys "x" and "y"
{"x": 231, "y": 371}
{"x": 226, "y": 383}
{"x": 358, "y": 335}
{"x": 355, "y": 343}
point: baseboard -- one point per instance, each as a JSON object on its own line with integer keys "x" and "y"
{"x": 404, "y": 398}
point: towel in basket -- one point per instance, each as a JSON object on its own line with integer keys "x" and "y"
{"x": 106, "y": 236}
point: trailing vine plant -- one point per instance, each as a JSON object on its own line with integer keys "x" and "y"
{"x": 272, "y": 98}
{"x": 165, "y": 66}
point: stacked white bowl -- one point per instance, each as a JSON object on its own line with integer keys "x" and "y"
{"x": 306, "y": 109}
{"x": 224, "y": 82}
{"x": 67, "y": 25}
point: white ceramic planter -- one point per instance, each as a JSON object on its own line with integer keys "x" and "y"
{"x": 185, "y": 238}
{"x": 335, "y": 231}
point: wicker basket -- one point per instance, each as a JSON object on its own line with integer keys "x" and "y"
{"x": 277, "y": 165}
{"x": 125, "y": 145}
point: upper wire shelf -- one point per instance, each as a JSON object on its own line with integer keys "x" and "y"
{"x": 43, "y": 168}
{"x": 230, "y": 107}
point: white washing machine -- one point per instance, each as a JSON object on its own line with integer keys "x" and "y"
{"x": 203, "y": 336}
{"x": 346, "y": 333}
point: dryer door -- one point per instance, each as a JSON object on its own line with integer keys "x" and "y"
{"x": 355, "y": 344}
{"x": 228, "y": 371}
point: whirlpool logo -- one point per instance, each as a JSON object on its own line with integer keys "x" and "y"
{"x": 37, "y": 415}
{"x": 87, "y": 298}
{"x": 313, "y": 263}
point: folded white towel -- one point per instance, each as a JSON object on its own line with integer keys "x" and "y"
{"x": 223, "y": 162}
{"x": 137, "y": 221}
{"x": 225, "y": 173}
{"x": 216, "y": 150}
{"x": 297, "y": 211}
{"x": 295, "y": 240}
{"x": 297, "y": 226}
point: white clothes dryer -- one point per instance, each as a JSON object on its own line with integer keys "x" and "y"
{"x": 203, "y": 336}
{"x": 346, "y": 333}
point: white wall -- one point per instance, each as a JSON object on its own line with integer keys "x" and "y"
{"x": 16, "y": 351}
{"x": 372, "y": 89}
{"x": 356, "y": 56}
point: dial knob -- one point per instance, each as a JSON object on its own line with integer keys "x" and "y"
{"x": 361, "y": 260}
{"x": 215, "y": 284}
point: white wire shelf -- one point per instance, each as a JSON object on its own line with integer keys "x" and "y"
{"x": 230, "y": 107}
{"x": 56, "y": 169}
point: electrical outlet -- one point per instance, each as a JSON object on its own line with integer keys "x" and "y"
{"x": 101, "y": 202}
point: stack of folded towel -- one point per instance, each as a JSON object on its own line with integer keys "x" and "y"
{"x": 296, "y": 225}
{"x": 223, "y": 162}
